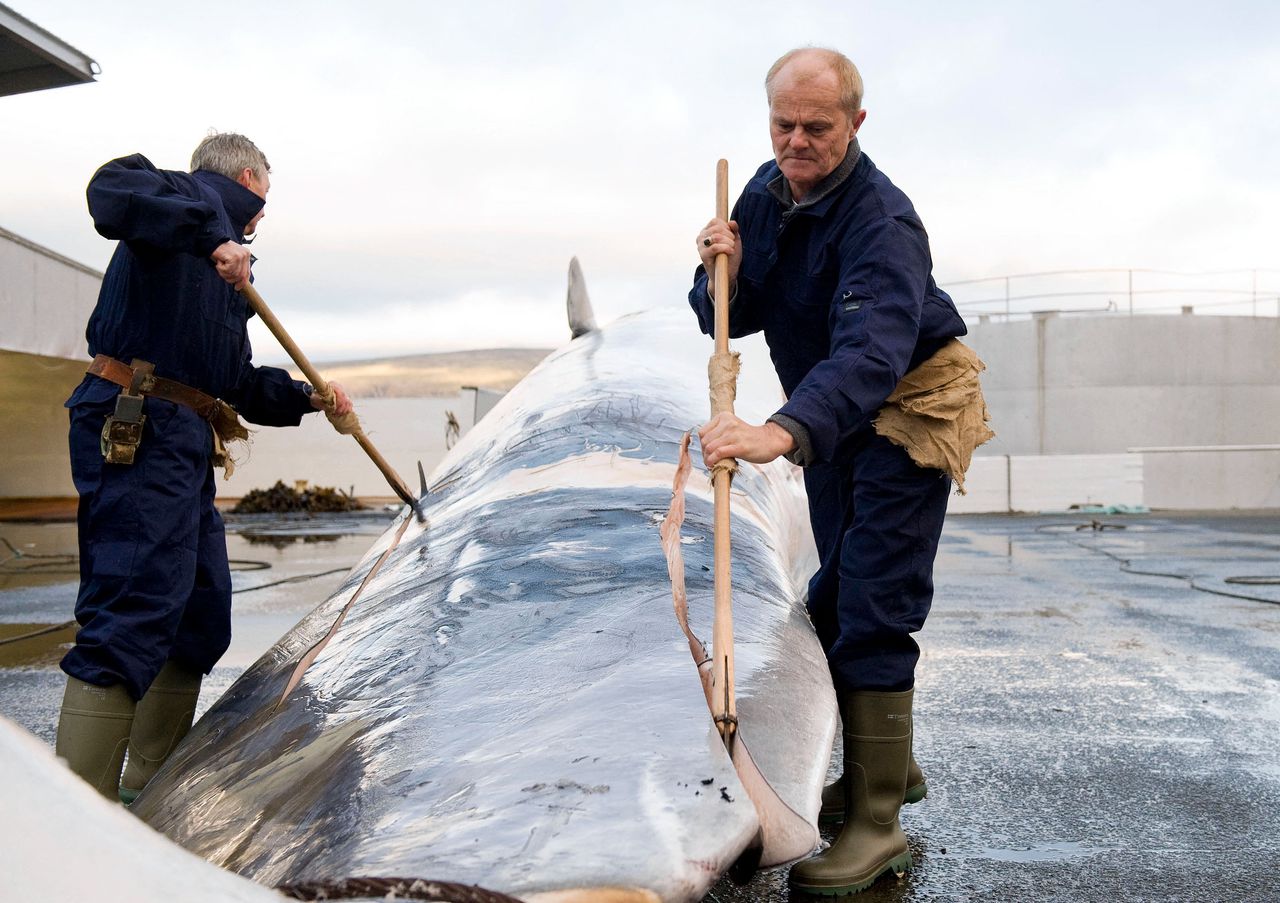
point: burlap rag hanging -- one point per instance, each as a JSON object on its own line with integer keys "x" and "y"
{"x": 937, "y": 412}
{"x": 230, "y": 437}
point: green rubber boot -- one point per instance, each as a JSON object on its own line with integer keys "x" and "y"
{"x": 877, "y": 747}
{"x": 164, "y": 716}
{"x": 93, "y": 731}
{"x": 832, "y": 811}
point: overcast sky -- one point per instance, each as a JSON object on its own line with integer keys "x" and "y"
{"x": 436, "y": 164}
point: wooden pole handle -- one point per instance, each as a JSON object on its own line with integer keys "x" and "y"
{"x": 723, "y": 706}
{"x": 722, "y": 263}
{"x": 319, "y": 384}
{"x": 387, "y": 470}
{"x": 286, "y": 341}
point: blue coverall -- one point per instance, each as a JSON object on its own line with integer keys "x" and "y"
{"x": 843, "y": 291}
{"x": 154, "y": 576}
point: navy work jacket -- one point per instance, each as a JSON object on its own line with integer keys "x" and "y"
{"x": 162, "y": 299}
{"x": 844, "y": 294}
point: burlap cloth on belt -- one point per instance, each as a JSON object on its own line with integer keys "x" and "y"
{"x": 937, "y": 412}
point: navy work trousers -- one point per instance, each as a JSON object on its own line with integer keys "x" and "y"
{"x": 154, "y": 578}
{"x": 877, "y": 519}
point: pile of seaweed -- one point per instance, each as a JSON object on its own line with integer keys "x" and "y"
{"x": 281, "y": 498}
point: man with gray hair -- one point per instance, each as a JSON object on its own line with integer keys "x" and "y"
{"x": 830, "y": 261}
{"x": 172, "y": 369}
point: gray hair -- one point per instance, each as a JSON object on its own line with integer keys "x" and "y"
{"x": 846, "y": 75}
{"x": 229, "y": 154}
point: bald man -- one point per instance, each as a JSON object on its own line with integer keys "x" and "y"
{"x": 829, "y": 259}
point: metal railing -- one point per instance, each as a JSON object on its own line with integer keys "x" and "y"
{"x": 1252, "y": 292}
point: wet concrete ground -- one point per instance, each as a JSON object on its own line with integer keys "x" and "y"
{"x": 282, "y": 567}
{"x": 1097, "y": 710}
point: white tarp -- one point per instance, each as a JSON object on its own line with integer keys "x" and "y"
{"x": 45, "y": 300}
{"x": 60, "y": 842}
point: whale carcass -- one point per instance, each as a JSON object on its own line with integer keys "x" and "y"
{"x": 510, "y": 701}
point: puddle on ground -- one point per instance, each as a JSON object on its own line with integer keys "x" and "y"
{"x": 315, "y": 526}
{"x": 35, "y": 645}
{"x": 280, "y": 540}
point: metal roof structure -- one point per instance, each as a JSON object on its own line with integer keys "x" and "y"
{"x": 32, "y": 59}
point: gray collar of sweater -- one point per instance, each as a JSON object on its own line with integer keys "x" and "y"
{"x": 781, "y": 189}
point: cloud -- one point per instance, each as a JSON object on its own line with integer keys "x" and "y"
{"x": 440, "y": 157}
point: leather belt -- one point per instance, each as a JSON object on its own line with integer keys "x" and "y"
{"x": 221, "y": 416}
{"x": 122, "y": 375}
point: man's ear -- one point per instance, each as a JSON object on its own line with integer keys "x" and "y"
{"x": 857, "y": 122}
{"x": 246, "y": 176}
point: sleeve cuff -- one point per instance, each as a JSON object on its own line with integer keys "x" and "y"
{"x": 733, "y": 291}
{"x": 306, "y": 390}
{"x": 206, "y": 244}
{"x": 802, "y": 454}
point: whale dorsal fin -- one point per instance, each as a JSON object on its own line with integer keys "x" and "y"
{"x": 582, "y": 318}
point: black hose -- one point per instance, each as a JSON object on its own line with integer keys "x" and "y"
{"x": 52, "y": 628}
{"x": 297, "y": 579}
{"x": 1126, "y": 565}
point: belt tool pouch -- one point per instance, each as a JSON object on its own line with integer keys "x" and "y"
{"x": 122, "y": 433}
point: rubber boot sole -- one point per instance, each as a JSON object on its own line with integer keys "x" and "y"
{"x": 898, "y": 866}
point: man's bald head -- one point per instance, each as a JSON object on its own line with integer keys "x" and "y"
{"x": 815, "y": 100}
{"x": 813, "y": 63}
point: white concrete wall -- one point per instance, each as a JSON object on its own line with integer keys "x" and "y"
{"x": 1186, "y": 479}
{"x": 1103, "y": 384}
{"x": 34, "y": 462}
{"x": 1094, "y": 387}
{"x": 45, "y": 300}
{"x": 1212, "y": 479}
{"x": 986, "y": 487}
{"x": 1031, "y": 483}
